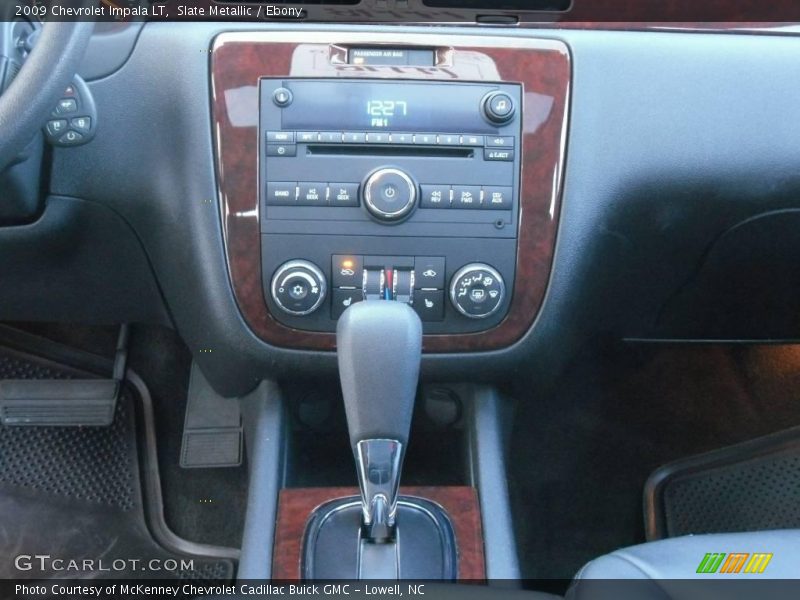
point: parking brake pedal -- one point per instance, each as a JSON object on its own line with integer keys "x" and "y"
{"x": 64, "y": 402}
{"x": 212, "y": 430}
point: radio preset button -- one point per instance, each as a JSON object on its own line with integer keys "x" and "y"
{"x": 343, "y": 194}
{"x": 312, "y": 194}
{"x": 379, "y": 137}
{"x": 281, "y": 150}
{"x": 402, "y": 138}
{"x": 282, "y": 137}
{"x": 281, "y": 193}
{"x": 466, "y": 196}
{"x": 354, "y": 137}
{"x": 501, "y": 154}
{"x": 330, "y": 137}
{"x": 307, "y": 137}
{"x": 435, "y": 196}
{"x": 425, "y": 139}
{"x": 499, "y": 141}
{"x": 449, "y": 139}
{"x": 497, "y": 197}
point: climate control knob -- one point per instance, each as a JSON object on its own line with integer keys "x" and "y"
{"x": 389, "y": 194}
{"x": 298, "y": 287}
{"x": 477, "y": 291}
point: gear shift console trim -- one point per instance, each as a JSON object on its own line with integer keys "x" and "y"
{"x": 334, "y": 546}
{"x": 378, "y": 463}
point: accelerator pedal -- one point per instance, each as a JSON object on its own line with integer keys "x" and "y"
{"x": 64, "y": 402}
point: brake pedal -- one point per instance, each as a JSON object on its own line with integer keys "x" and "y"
{"x": 65, "y": 402}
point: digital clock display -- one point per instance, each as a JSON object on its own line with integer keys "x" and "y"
{"x": 386, "y": 105}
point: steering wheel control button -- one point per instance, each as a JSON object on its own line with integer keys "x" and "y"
{"x": 298, "y": 287}
{"x": 344, "y": 299}
{"x": 66, "y": 106}
{"x": 429, "y": 272}
{"x": 343, "y": 194}
{"x": 81, "y": 124}
{"x": 348, "y": 271}
{"x": 390, "y": 194}
{"x": 434, "y": 196}
{"x": 281, "y": 193}
{"x": 74, "y": 118}
{"x": 429, "y": 304}
{"x": 497, "y": 197}
{"x": 56, "y": 127}
{"x": 477, "y": 291}
{"x": 498, "y": 107}
{"x": 71, "y": 138}
{"x": 282, "y": 97}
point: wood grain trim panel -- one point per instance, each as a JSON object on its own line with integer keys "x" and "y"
{"x": 296, "y": 505}
{"x": 541, "y": 66}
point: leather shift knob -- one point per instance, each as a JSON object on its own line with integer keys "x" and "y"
{"x": 379, "y": 351}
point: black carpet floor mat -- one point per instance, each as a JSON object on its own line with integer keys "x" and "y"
{"x": 75, "y": 495}
{"x": 752, "y": 486}
{"x": 584, "y": 448}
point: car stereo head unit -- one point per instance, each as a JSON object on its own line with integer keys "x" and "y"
{"x": 389, "y": 189}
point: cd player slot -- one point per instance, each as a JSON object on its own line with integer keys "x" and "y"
{"x": 379, "y": 150}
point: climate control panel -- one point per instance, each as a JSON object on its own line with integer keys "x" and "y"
{"x": 309, "y": 281}
{"x": 299, "y": 287}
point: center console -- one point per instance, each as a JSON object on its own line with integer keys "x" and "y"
{"x": 369, "y": 190}
{"x": 424, "y": 170}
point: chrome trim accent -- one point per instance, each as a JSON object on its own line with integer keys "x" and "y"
{"x": 439, "y": 518}
{"x": 393, "y": 216}
{"x": 300, "y": 264}
{"x": 469, "y": 269}
{"x": 378, "y": 463}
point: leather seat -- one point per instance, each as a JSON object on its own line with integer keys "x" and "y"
{"x": 669, "y": 568}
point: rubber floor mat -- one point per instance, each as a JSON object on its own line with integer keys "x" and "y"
{"x": 747, "y": 487}
{"x": 74, "y": 496}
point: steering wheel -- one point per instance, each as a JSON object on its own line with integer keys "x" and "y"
{"x": 31, "y": 97}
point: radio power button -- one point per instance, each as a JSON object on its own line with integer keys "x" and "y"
{"x": 389, "y": 194}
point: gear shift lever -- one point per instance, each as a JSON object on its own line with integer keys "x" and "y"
{"x": 379, "y": 350}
